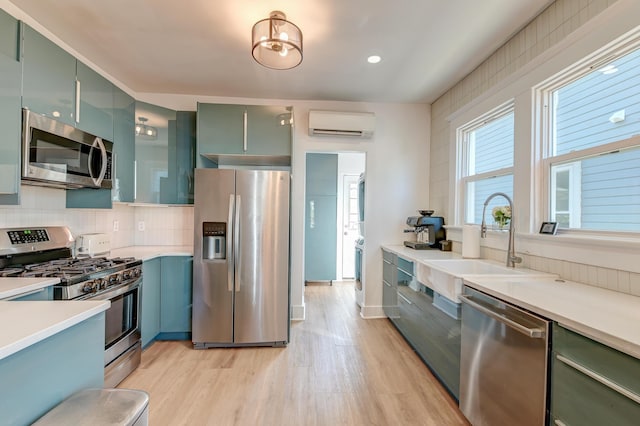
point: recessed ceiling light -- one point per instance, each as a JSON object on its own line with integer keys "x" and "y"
{"x": 374, "y": 59}
{"x": 609, "y": 69}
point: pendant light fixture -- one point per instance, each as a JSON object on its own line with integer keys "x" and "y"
{"x": 276, "y": 42}
{"x": 143, "y": 130}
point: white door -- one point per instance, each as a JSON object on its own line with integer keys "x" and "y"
{"x": 350, "y": 225}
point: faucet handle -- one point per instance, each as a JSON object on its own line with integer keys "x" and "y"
{"x": 516, "y": 259}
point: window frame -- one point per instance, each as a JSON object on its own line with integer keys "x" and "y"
{"x": 544, "y": 132}
{"x": 464, "y": 160}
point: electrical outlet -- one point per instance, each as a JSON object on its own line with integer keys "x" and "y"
{"x": 141, "y": 225}
{"x": 116, "y": 226}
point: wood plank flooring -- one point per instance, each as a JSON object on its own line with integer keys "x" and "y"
{"x": 338, "y": 369}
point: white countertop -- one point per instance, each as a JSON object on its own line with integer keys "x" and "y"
{"x": 607, "y": 316}
{"x": 151, "y": 252}
{"x": 23, "y": 324}
{"x": 420, "y": 255}
{"x": 604, "y": 315}
{"x": 11, "y": 287}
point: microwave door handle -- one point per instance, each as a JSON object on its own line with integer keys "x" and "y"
{"x": 103, "y": 154}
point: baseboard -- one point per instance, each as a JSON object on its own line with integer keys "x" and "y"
{"x": 298, "y": 312}
{"x": 372, "y": 312}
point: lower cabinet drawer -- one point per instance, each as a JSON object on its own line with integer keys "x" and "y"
{"x": 577, "y": 399}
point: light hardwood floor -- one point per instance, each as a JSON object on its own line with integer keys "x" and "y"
{"x": 338, "y": 369}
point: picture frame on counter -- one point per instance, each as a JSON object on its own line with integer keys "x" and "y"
{"x": 549, "y": 228}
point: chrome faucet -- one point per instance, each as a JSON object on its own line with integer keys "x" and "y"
{"x": 512, "y": 259}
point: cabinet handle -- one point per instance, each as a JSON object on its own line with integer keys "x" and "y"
{"x": 559, "y": 423}
{"x": 77, "y": 101}
{"x": 135, "y": 180}
{"x": 236, "y": 243}
{"x": 405, "y": 299}
{"x": 28, "y": 293}
{"x": 244, "y": 132}
{"x": 534, "y": 333}
{"x": 599, "y": 378}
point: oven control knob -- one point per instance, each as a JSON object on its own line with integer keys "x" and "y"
{"x": 127, "y": 275}
{"x": 104, "y": 283}
{"x": 137, "y": 271}
{"x": 89, "y": 287}
{"x": 114, "y": 279}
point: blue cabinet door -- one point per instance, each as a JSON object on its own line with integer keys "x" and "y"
{"x": 42, "y": 294}
{"x": 321, "y": 217}
{"x": 96, "y": 103}
{"x": 124, "y": 146}
{"x": 49, "y": 75}
{"x": 220, "y": 130}
{"x": 10, "y": 101}
{"x": 175, "y": 299}
{"x": 268, "y": 130}
{"x": 150, "y": 324}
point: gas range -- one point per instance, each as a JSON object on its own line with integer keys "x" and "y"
{"x": 46, "y": 252}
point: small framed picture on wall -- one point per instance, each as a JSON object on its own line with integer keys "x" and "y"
{"x": 549, "y": 228}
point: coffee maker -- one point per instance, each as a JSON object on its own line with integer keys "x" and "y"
{"x": 428, "y": 230}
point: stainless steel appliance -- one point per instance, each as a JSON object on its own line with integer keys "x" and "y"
{"x": 241, "y": 286}
{"x": 503, "y": 363}
{"x": 58, "y": 155}
{"x": 428, "y": 230}
{"x": 46, "y": 252}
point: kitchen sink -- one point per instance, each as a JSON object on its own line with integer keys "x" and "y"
{"x": 445, "y": 276}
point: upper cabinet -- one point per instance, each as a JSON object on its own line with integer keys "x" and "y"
{"x": 124, "y": 112}
{"x": 95, "y": 96}
{"x": 49, "y": 75}
{"x": 164, "y": 155}
{"x": 243, "y": 135}
{"x": 55, "y": 84}
{"x": 10, "y": 101}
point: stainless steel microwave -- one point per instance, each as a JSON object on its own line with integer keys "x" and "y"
{"x": 62, "y": 156}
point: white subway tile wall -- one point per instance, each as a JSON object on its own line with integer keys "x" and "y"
{"x": 46, "y": 207}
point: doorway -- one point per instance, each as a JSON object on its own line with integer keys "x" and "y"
{"x": 332, "y": 219}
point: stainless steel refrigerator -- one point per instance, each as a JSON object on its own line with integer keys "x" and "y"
{"x": 241, "y": 258}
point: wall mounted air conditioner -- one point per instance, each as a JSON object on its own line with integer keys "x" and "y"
{"x": 334, "y": 123}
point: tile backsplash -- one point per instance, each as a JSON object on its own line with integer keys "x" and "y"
{"x": 46, "y": 207}
{"x": 609, "y": 278}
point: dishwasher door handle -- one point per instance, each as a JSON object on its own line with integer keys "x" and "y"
{"x": 534, "y": 333}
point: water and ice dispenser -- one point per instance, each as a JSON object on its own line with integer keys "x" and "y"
{"x": 214, "y": 240}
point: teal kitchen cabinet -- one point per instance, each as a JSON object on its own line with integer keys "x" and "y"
{"x": 124, "y": 112}
{"x": 151, "y": 280}
{"x": 42, "y": 294}
{"x": 164, "y": 162}
{"x": 31, "y": 385}
{"x": 591, "y": 383}
{"x": 10, "y": 115}
{"x": 243, "y": 135}
{"x": 49, "y": 74}
{"x": 95, "y": 113}
{"x": 321, "y": 199}
{"x": 175, "y": 299}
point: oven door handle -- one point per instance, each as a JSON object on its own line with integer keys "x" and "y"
{"x": 110, "y": 294}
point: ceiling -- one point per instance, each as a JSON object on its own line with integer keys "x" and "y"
{"x": 203, "y": 47}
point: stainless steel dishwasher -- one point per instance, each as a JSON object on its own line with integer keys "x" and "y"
{"x": 503, "y": 362}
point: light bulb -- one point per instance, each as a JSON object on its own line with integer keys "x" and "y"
{"x": 284, "y": 51}
{"x": 263, "y": 40}
{"x": 284, "y": 36}
{"x": 149, "y": 132}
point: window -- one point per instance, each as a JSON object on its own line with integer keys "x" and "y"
{"x": 591, "y": 153}
{"x": 485, "y": 162}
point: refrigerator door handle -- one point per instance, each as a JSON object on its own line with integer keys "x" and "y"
{"x": 229, "y": 245}
{"x": 236, "y": 243}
